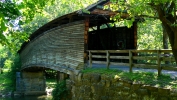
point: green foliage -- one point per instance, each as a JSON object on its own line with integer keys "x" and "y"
{"x": 14, "y": 13}
{"x": 58, "y": 8}
{"x": 60, "y": 91}
{"x": 141, "y": 77}
{"x": 8, "y": 78}
{"x": 150, "y": 35}
{"x": 6, "y": 84}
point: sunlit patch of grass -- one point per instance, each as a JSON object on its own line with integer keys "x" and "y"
{"x": 148, "y": 78}
{"x": 51, "y": 82}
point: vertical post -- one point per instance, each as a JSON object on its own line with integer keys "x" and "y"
{"x": 135, "y": 27}
{"x": 18, "y": 80}
{"x": 90, "y": 59}
{"x": 130, "y": 61}
{"x": 107, "y": 59}
{"x": 62, "y": 76}
{"x": 86, "y": 41}
{"x": 159, "y": 62}
{"x": 58, "y": 76}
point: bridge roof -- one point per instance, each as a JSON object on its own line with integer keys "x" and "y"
{"x": 96, "y": 11}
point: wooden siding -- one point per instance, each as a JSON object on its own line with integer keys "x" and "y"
{"x": 62, "y": 46}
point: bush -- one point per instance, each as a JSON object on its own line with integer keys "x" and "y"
{"x": 60, "y": 91}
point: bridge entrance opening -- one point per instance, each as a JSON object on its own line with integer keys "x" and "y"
{"x": 108, "y": 36}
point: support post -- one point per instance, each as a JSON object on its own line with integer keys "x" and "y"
{"x": 58, "y": 76}
{"x": 62, "y": 76}
{"x": 86, "y": 35}
{"x": 159, "y": 62}
{"x": 130, "y": 61}
{"x": 90, "y": 59}
{"x": 107, "y": 59}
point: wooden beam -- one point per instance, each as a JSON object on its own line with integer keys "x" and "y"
{"x": 86, "y": 40}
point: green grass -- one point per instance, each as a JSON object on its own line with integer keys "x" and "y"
{"x": 50, "y": 82}
{"x": 148, "y": 78}
{"x": 6, "y": 83}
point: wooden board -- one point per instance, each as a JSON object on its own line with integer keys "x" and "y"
{"x": 63, "y": 46}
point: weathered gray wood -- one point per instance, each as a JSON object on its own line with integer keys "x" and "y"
{"x": 119, "y": 57}
{"x": 90, "y": 59}
{"x": 119, "y": 64}
{"x": 145, "y": 66}
{"x": 63, "y": 45}
{"x": 169, "y": 68}
{"x": 98, "y": 56}
{"x": 130, "y": 61}
{"x": 168, "y": 59}
{"x": 99, "y": 62}
{"x": 107, "y": 59}
{"x": 144, "y": 58}
{"x": 159, "y": 62}
{"x": 155, "y": 55}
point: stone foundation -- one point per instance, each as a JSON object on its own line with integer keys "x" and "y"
{"x": 104, "y": 87}
{"x": 32, "y": 83}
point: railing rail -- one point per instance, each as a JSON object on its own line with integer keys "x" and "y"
{"x": 163, "y": 59}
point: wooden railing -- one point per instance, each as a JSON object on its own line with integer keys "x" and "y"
{"x": 152, "y": 59}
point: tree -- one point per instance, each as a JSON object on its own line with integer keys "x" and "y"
{"x": 58, "y": 8}
{"x": 150, "y": 34}
{"x": 164, "y": 10}
{"x": 15, "y": 12}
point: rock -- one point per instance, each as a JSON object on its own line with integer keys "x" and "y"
{"x": 163, "y": 92}
{"x": 95, "y": 78}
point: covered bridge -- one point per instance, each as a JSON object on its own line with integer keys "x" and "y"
{"x": 62, "y": 44}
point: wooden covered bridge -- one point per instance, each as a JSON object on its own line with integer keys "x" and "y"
{"x": 63, "y": 44}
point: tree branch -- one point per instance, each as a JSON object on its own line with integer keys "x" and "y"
{"x": 148, "y": 16}
{"x": 163, "y": 17}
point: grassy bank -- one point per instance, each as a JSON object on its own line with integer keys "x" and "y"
{"x": 148, "y": 78}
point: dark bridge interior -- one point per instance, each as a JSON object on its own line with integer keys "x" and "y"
{"x": 115, "y": 38}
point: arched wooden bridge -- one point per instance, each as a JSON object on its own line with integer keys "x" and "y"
{"x": 62, "y": 44}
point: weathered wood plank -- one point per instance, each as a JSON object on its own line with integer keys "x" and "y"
{"x": 144, "y": 58}
{"x": 130, "y": 61}
{"x": 98, "y": 56}
{"x": 119, "y": 64}
{"x": 63, "y": 45}
{"x": 168, "y": 59}
{"x": 99, "y": 62}
{"x": 119, "y": 57}
{"x": 145, "y": 66}
{"x": 169, "y": 68}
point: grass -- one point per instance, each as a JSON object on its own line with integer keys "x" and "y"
{"x": 50, "y": 82}
{"x": 147, "y": 78}
{"x": 6, "y": 83}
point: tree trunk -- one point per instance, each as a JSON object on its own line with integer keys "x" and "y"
{"x": 167, "y": 20}
{"x": 174, "y": 47}
{"x": 165, "y": 43}
{"x": 172, "y": 38}
{"x": 165, "y": 39}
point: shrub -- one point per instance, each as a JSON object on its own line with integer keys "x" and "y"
{"x": 60, "y": 91}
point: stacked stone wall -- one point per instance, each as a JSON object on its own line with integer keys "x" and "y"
{"x": 105, "y": 87}
{"x": 32, "y": 82}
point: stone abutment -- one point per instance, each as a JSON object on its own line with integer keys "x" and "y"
{"x": 105, "y": 87}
